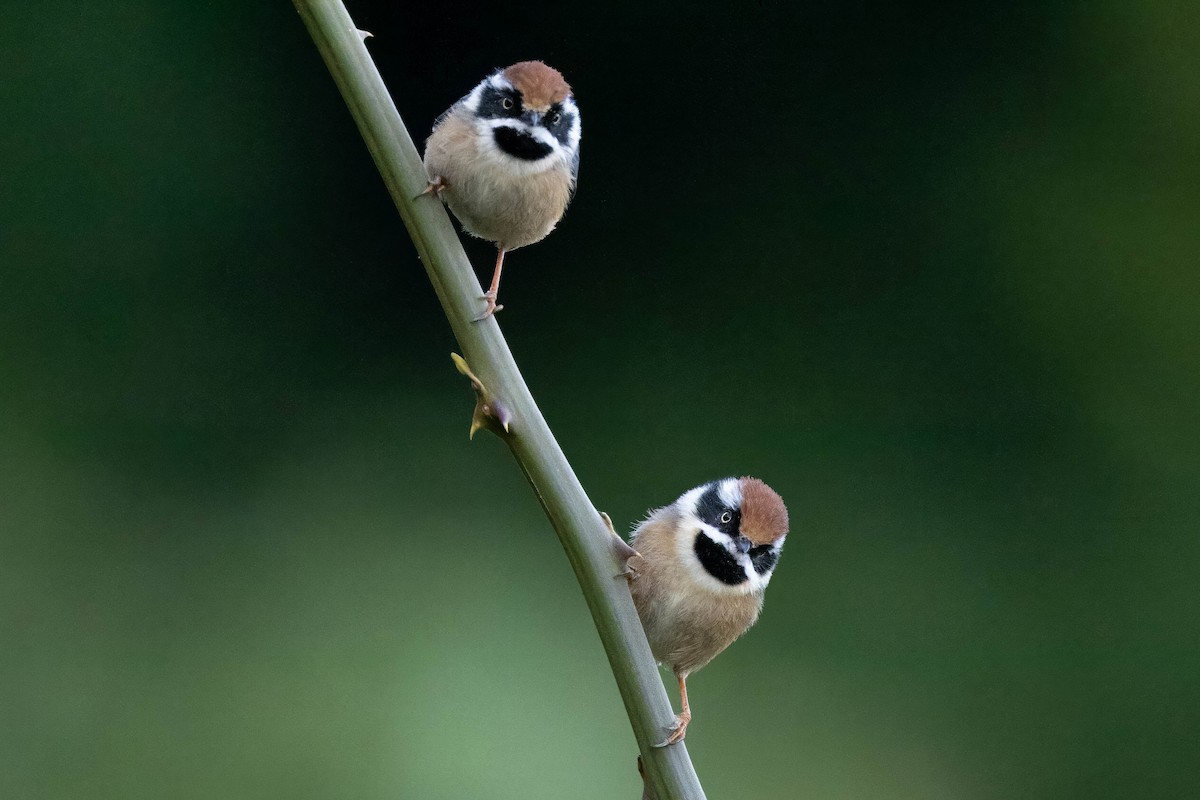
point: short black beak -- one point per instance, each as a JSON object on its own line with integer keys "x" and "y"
{"x": 532, "y": 118}
{"x": 742, "y": 544}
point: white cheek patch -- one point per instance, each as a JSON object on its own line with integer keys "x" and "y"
{"x": 722, "y": 539}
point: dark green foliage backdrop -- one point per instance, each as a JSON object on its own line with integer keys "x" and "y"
{"x": 930, "y": 272}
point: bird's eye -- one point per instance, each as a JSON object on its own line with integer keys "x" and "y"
{"x": 507, "y": 103}
{"x": 556, "y": 118}
{"x": 726, "y": 517}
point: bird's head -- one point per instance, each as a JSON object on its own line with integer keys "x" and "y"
{"x": 526, "y": 118}
{"x": 731, "y": 532}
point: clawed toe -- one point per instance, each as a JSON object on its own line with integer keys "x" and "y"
{"x": 677, "y": 730}
{"x": 630, "y": 573}
{"x": 491, "y": 309}
{"x": 434, "y": 187}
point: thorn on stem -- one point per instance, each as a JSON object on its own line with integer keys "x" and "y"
{"x": 647, "y": 787}
{"x": 489, "y": 412}
{"x": 364, "y": 35}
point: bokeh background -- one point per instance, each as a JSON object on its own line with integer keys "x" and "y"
{"x": 928, "y": 269}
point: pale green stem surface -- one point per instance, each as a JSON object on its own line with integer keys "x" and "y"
{"x": 579, "y": 526}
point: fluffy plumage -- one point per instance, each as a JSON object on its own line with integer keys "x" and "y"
{"x": 702, "y": 567}
{"x": 494, "y": 200}
{"x": 504, "y": 158}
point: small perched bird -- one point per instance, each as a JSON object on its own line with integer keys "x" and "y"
{"x": 505, "y": 159}
{"x": 701, "y": 568}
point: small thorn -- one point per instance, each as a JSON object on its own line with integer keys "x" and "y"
{"x": 364, "y": 35}
{"x": 502, "y": 415}
{"x": 488, "y": 412}
{"x": 647, "y": 788}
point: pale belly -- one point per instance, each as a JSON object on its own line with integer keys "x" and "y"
{"x": 686, "y": 631}
{"x": 495, "y": 200}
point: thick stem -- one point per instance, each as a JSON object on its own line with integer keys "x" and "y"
{"x": 583, "y": 533}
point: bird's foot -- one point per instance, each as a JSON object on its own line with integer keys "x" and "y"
{"x": 631, "y": 572}
{"x": 491, "y": 309}
{"x": 434, "y": 187}
{"x": 677, "y": 729}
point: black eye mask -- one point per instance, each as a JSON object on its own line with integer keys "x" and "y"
{"x": 491, "y": 103}
{"x": 710, "y": 508}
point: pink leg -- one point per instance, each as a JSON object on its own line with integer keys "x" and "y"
{"x": 679, "y": 729}
{"x": 490, "y": 294}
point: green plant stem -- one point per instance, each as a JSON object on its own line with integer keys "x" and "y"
{"x": 583, "y": 533}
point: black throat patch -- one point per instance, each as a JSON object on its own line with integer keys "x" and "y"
{"x": 763, "y": 558}
{"x": 718, "y": 561}
{"x": 520, "y": 145}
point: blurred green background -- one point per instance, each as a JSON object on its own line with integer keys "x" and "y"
{"x": 929, "y": 270}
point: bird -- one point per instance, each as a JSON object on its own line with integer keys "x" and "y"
{"x": 699, "y": 573}
{"x": 505, "y": 159}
